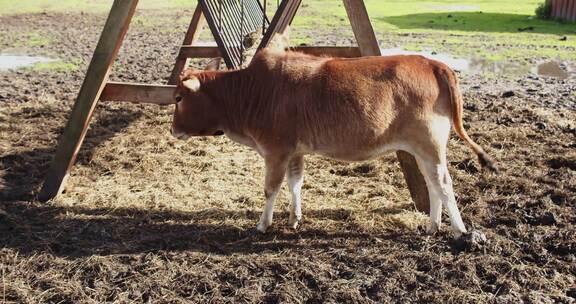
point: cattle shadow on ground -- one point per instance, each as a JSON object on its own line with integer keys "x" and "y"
{"x": 24, "y": 172}
{"x": 75, "y": 232}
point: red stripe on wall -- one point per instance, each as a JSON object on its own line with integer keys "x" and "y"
{"x": 556, "y": 8}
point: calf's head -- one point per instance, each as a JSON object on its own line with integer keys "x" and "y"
{"x": 196, "y": 114}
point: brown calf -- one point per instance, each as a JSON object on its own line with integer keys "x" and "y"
{"x": 287, "y": 104}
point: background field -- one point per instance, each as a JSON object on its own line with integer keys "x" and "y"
{"x": 147, "y": 218}
{"x": 470, "y": 28}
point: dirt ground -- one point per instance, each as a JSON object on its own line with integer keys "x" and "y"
{"x": 147, "y": 218}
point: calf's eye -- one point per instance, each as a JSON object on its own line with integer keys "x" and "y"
{"x": 178, "y": 98}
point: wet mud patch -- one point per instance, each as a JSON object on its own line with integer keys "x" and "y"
{"x": 559, "y": 163}
{"x": 362, "y": 170}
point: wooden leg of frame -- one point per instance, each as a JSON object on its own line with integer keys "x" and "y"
{"x": 191, "y": 37}
{"x": 281, "y": 20}
{"x": 138, "y": 93}
{"x": 368, "y": 44}
{"x": 415, "y": 181}
{"x": 96, "y": 77}
{"x": 362, "y": 28}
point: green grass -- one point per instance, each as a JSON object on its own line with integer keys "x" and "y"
{"x": 300, "y": 40}
{"x": 484, "y": 16}
{"x": 34, "y": 39}
{"x": 469, "y": 28}
{"x": 479, "y": 21}
{"x": 57, "y": 65}
{"x": 506, "y": 16}
{"x": 487, "y": 28}
{"x": 487, "y": 16}
{"x": 493, "y": 46}
{"x": 10, "y": 7}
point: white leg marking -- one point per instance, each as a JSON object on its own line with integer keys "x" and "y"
{"x": 434, "y": 197}
{"x": 275, "y": 170}
{"x": 268, "y": 213}
{"x": 437, "y": 177}
{"x": 295, "y": 173}
{"x": 441, "y": 194}
{"x": 295, "y": 184}
{"x": 450, "y": 202}
{"x": 435, "y": 213}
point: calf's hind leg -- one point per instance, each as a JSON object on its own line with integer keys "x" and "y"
{"x": 430, "y": 153}
{"x": 441, "y": 193}
{"x": 275, "y": 170}
{"x": 295, "y": 173}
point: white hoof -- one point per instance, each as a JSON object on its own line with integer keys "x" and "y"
{"x": 432, "y": 228}
{"x": 294, "y": 221}
{"x": 458, "y": 232}
{"x": 295, "y": 225}
{"x": 261, "y": 227}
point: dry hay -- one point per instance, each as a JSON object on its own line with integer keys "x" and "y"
{"x": 147, "y": 216}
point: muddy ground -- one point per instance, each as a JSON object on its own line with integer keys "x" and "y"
{"x": 146, "y": 218}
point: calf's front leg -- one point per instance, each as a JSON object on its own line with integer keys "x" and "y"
{"x": 275, "y": 170}
{"x": 295, "y": 173}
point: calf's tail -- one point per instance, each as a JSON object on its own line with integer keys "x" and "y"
{"x": 456, "y": 100}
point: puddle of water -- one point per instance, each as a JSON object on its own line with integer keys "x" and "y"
{"x": 454, "y": 63}
{"x": 482, "y": 66}
{"x": 551, "y": 69}
{"x": 8, "y": 62}
{"x": 470, "y": 65}
{"x": 476, "y": 65}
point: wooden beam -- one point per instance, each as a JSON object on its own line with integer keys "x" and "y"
{"x": 194, "y": 29}
{"x": 108, "y": 45}
{"x": 199, "y": 52}
{"x": 138, "y": 92}
{"x": 364, "y": 33}
{"x": 332, "y": 51}
{"x": 214, "y": 51}
{"x": 415, "y": 181}
{"x": 282, "y": 19}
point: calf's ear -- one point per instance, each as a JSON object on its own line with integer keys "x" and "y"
{"x": 186, "y": 72}
{"x": 192, "y": 84}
